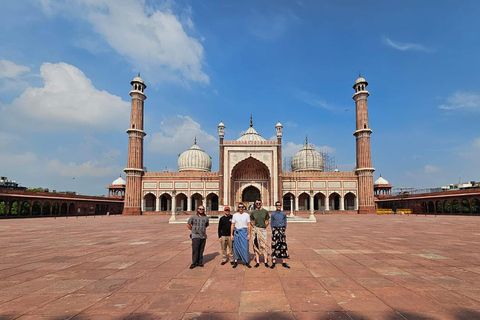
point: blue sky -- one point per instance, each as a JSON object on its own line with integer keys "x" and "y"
{"x": 66, "y": 67}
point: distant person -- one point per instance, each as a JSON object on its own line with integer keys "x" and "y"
{"x": 198, "y": 224}
{"x": 240, "y": 234}
{"x": 250, "y": 207}
{"x": 279, "y": 239}
{"x": 260, "y": 219}
{"x": 224, "y": 233}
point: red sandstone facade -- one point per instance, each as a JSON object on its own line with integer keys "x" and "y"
{"x": 247, "y": 166}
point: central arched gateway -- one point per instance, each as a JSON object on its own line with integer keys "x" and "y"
{"x": 250, "y": 194}
{"x": 250, "y": 180}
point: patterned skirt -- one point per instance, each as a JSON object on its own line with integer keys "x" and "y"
{"x": 279, "y": 243}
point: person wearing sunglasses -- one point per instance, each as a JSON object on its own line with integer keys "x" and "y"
{"x": 198, "y": 224}
{"x": 224, "y": 227}
{"x": 260, "y": 219}
{"x": 240, "y": 235}
{"x": 279, "y": 240}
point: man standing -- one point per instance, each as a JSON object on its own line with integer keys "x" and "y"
{"x": 260, "y": 220}
{"x": 224, "y": 233}
{"x": 198, "y": 224}
{"x": 240, "y": 235}
{"x": 279, "y": 240}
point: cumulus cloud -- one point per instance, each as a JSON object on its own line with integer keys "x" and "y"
{"x": 403, "y": 46}
{"x": 462, "y": 100}
{"x": 177, "y": 135}
{"x": 67, "y": 101}
{"x": 152, "y": 40}
{"x": 9, "y": 69}
{"x": 431, "y": 169}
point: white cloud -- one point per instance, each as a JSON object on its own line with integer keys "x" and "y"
{"x": 85, "y": 169}
{"x": 9, "y": 69}
{"x": 312, "y": 100}
{"x": 402, "y": 46}
{"x": 476, "y": 143}
{"x": 462, "y": 100}
{"x": 271, "y": 25}
{"x": 152, "y": 40}
{"x": 67, "y": 101}
{"x": 431, "y": 169}
{"x": 177, "y": 135}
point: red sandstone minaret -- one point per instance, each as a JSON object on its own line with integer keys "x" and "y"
{"x": 134, "y": 169}
{"x": 362, "y": 133}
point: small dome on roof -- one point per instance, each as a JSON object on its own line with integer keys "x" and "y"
{"x": 278, "y": 124}
{"x": 360, "y": 79}
{"x": 119, "y": 181}
{"x": 221, "y": 124}
{"x": 307, "y": 159}
{"x": 194, "y": 159}
{"x": 381, "y": 181}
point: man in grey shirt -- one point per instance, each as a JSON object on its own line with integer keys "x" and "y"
{"x": 198, "y": 224}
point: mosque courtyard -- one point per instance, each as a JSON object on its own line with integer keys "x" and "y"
{"x": 342, "y": 267}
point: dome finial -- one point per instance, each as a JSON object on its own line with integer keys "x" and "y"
{"x": 195, "y": 141}
{"x": 139, "y": 74}
{"x": 306, "y": 139}
{"x": 251, "y": 121}
{"x": 359, "y": 74}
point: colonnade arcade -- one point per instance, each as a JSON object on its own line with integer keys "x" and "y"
{"x": 310, "y": 201}
{"x": 179, "y": 201}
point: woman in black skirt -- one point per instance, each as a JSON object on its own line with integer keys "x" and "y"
{"x": 278, "y": 221}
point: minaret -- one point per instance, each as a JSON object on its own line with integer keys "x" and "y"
{"x": 362, "y": 133}
{"x": 134, "y": 169}
{"x": 221, "y": 134}
{"x": 279, "y": 133}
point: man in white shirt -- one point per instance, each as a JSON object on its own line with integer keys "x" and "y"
{"x": 240, "y": 234}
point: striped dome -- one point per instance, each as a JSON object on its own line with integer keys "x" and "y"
{"x": 307, "y": 159}
{"x": 194, "y": 159}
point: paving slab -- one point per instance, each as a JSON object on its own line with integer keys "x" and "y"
{"x": 342, "y": 267}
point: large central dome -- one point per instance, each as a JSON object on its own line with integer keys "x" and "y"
{"x": 307, "y": 159}
{"x": 194, "y": 159}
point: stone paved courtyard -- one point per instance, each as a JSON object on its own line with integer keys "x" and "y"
{"x": 343, "y": 267}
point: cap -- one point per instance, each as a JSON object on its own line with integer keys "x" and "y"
{"x": 227, "y": 208}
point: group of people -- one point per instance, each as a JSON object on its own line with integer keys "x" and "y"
{"x": 235, "y": 231}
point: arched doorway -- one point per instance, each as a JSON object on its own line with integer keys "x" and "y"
{"x": 250, "y": 194}
{"x": 349, "y": 201}
{"x": 165, "y": 202}
{"x": 197, "y": 200}
{"x": 319, "y": 201}
{"x": 303, "y": 201}
{"x": 150, "y": 202}
{"x": 250, "y": 180}
{"x": 334, "y": 201}
{"x": 288, "y": 202}
{"x": 181, "y": 202}
{"x": 212, "y": 202}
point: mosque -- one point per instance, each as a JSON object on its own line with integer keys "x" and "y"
{"x": 249, "y": 168}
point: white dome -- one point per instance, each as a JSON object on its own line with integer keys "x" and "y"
{"x": 194, "y": 159}
{"x": 307, "y": 159}
{"x": 119, "y": 181}
{"x": 251, "y": 135}
{"x": 381, "y": 181}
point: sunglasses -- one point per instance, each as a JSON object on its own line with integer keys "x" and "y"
{"x": 227, "y": 210}
{"x": 201, "y": 209}
{"x": 258, "y": 203}
{"x": 278, "y": 205}
{"x": 241, "y": 207}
